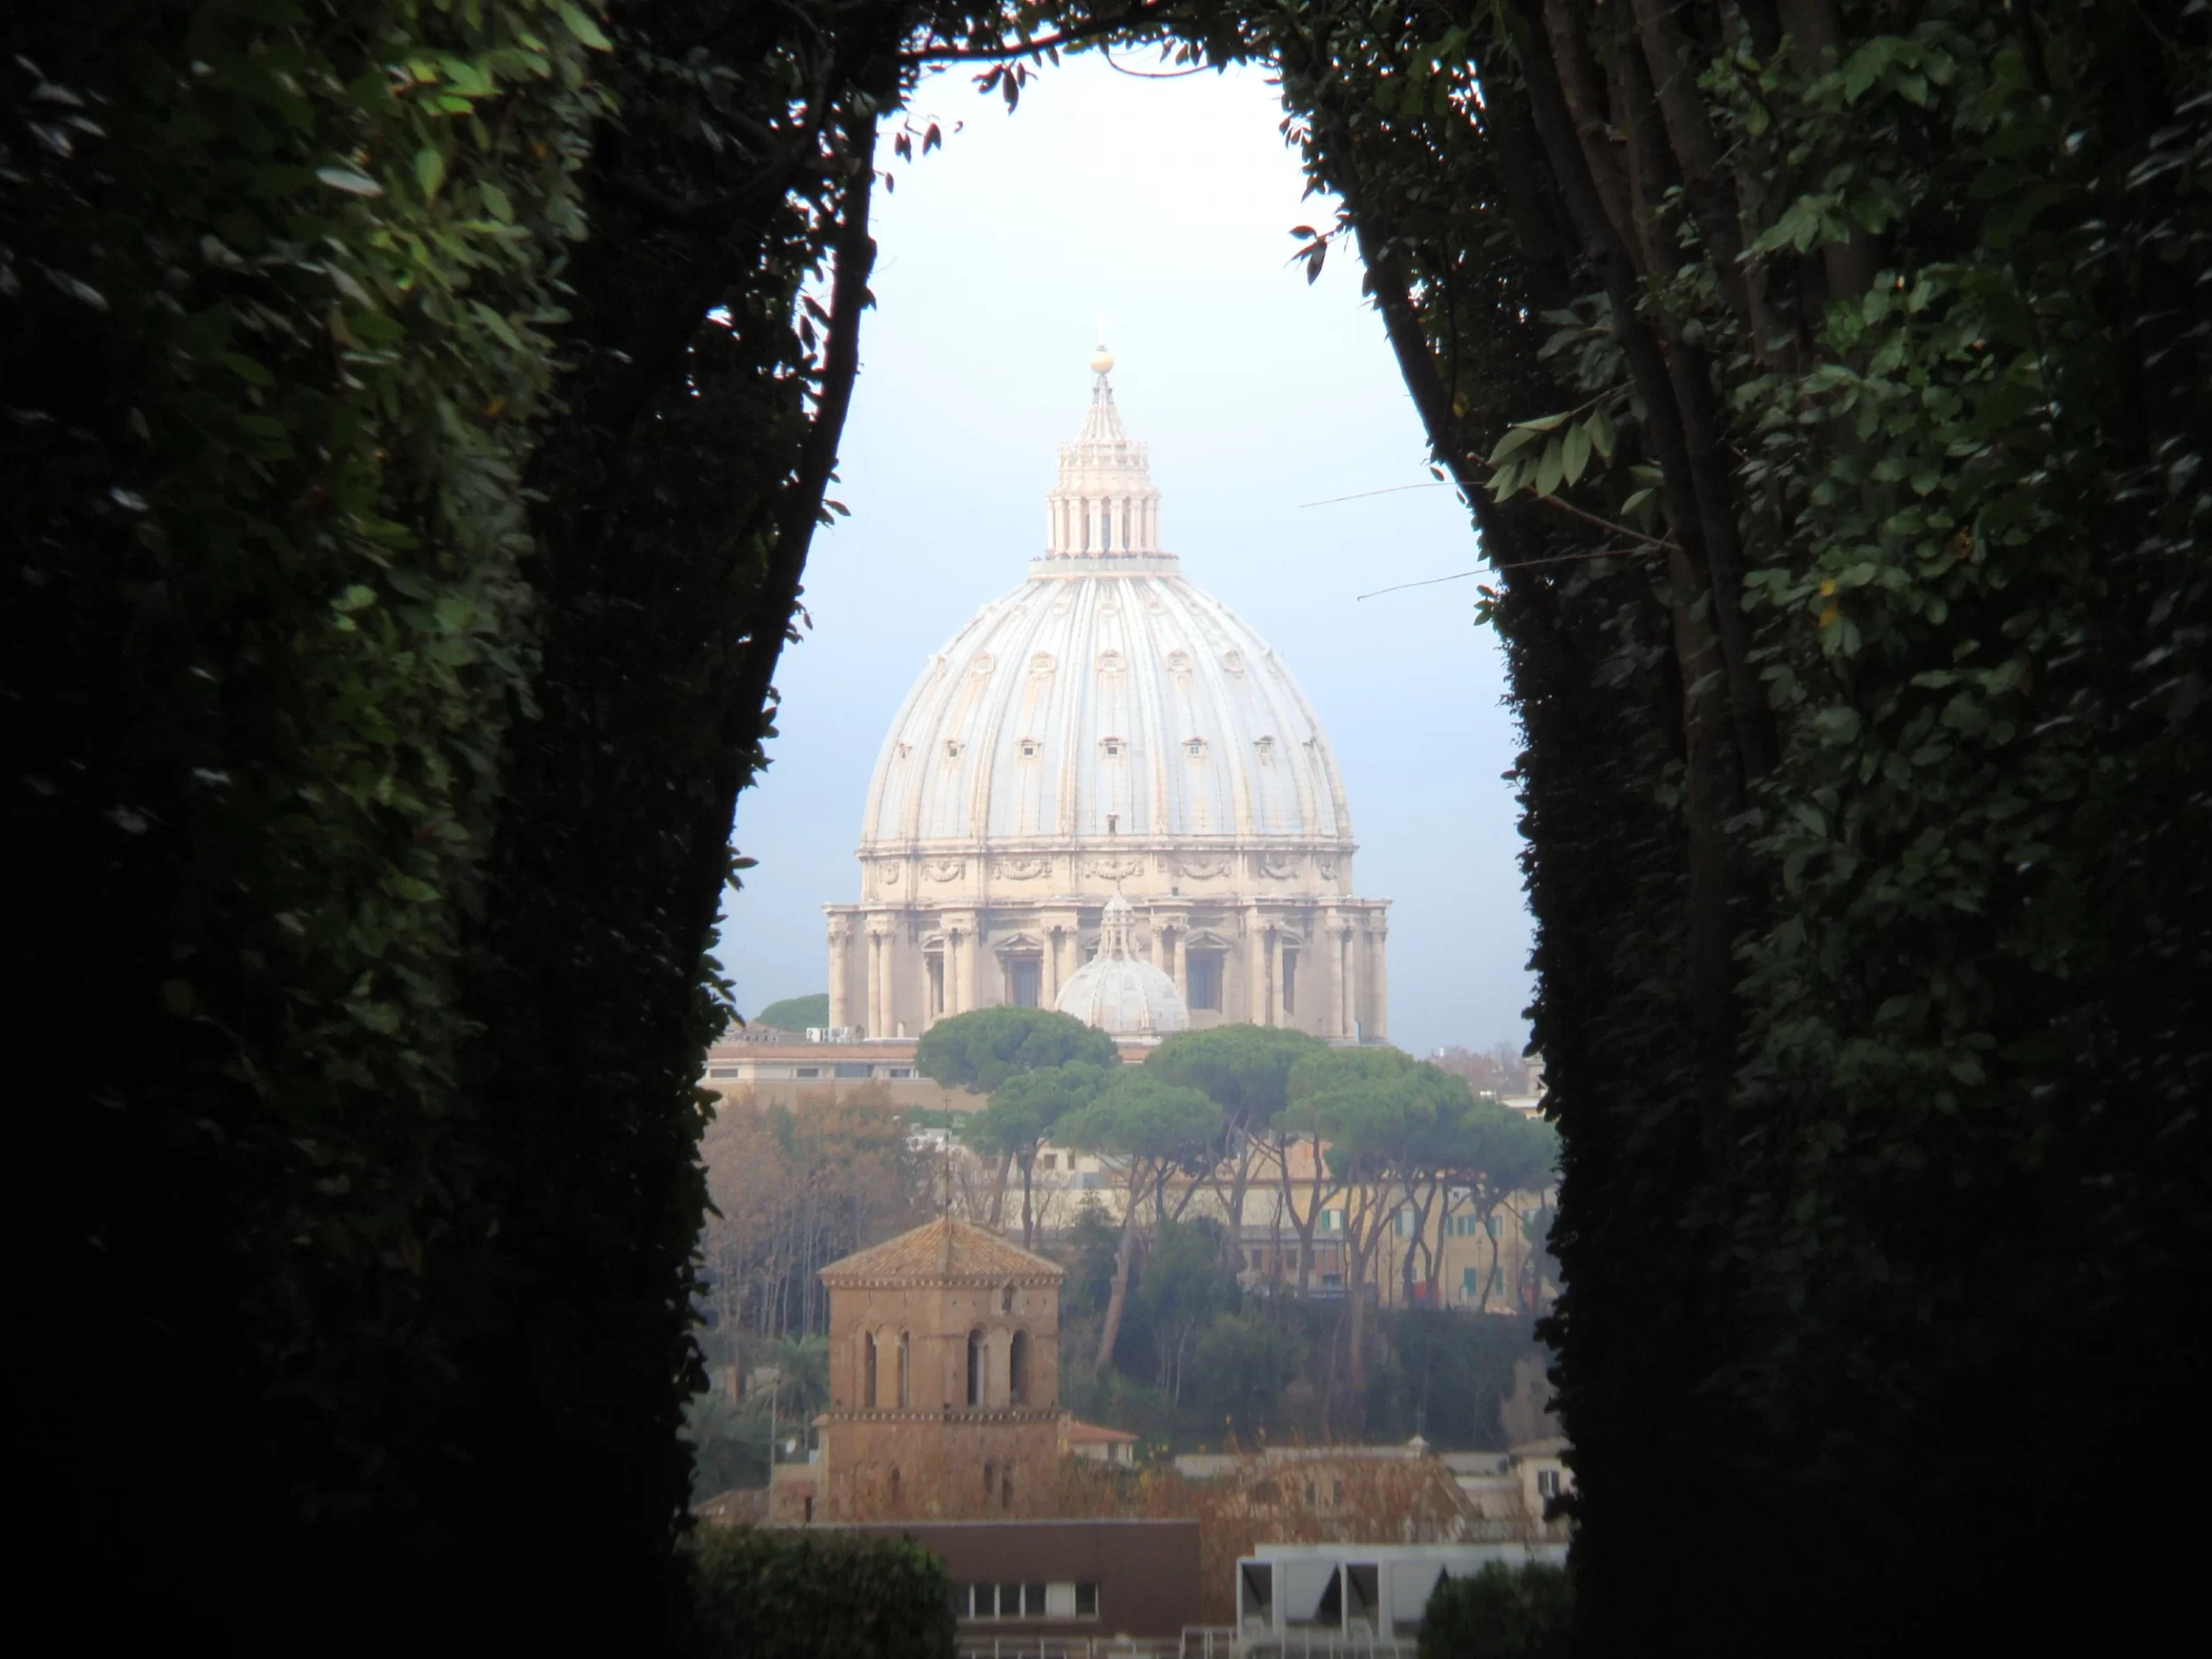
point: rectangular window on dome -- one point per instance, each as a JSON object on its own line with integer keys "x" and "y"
{"x": 1206, "y": 980}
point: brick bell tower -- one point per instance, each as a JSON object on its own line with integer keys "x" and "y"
{"x": 944, "y": 1378}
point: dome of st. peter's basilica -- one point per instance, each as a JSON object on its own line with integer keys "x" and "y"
{"x": 1107, "y": 727}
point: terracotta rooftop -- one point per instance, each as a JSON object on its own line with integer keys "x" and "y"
{"x": 1095, "y": 1434}
{"x": 943, "y": 1252}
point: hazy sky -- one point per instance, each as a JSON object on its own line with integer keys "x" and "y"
{"x": 1163, "y": 206}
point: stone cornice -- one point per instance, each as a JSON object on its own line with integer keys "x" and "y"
{"x": 1063, "y": 846}
{"x": 1106, "y": 564}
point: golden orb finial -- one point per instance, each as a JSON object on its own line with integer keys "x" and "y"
{"x": 1101, "y": 360}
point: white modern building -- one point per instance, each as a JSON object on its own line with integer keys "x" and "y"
{"x": 1355, "y": 1598}
{"x": 1108, "y": 728}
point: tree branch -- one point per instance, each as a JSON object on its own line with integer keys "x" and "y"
{"x": 1136, "y": 18}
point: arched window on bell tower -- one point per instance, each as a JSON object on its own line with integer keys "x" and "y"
{"x": 1017, "y": 1369}
{"x": 867, "y": 1372}
{"x": 974, "y": 1367}
{"x": 906, "y": 1374}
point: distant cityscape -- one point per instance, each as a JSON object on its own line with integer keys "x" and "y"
{"x": 1107, "y": 802}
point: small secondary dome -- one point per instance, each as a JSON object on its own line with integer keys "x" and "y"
{"x": 1117, "y": 991}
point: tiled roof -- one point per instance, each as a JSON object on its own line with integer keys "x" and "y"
{"x": 1095, "y": 1434}
{"x": 943, "y": 1252}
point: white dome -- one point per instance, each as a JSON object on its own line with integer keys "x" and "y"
{"x": 1119, "y": 992}
{"x": 1104, "y": 698}
{"x": 1107, "y": 751}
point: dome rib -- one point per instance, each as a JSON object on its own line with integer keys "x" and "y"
{"x": 1153, "y": 789}
{"x": 1002, "y": 693}
{"x": 1093, "y": 599}
{"x": 997, "y": 822}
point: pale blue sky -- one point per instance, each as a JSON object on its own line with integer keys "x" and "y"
{"x": 1165, "y": 207}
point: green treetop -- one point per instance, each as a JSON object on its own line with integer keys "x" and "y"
{"x": 981, "y": 1049}
{"x": 1153, "y": 1128}
{"x": 1387, "y": 1119}
{"x": 1495, "y": 1152}
{"x": 1244, "y": 1069}
{"x": 1379, "y": 1108}
{"x": 1023, "y": 1111}
{"x": 794, "y": 1013}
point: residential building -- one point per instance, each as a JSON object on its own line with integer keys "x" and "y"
{"x": 1099, "y": 1444}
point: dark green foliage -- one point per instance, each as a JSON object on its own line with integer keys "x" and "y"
{"x": 1023, "y": 1113}
{"x": 1243, "y": 1069}
{"x": 794, "y": 1013}
{"x": 1025, "y": 1108}
{"x": 979, "y": 1050}
{"x": 677, "y": 491}
{"x": 1241, "y": 1368}
{"x": 1089, "y": 1252}
{"x": 729, "y": 1443}
{"x": 1503, "y": 1612}
{"x": 1181, "y": 1294}
{"x": 816, "y": 1595}
{"x": 1156, "y": 1129}
{"x": 371, "y": 942}
{"x": 1442, "y": 1374}
{"x": 277, "y": 295}
{"x": 1828, "y": 383}
{"x": 1258, "y": 1370}
{"x": 1390, "y": 1124}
